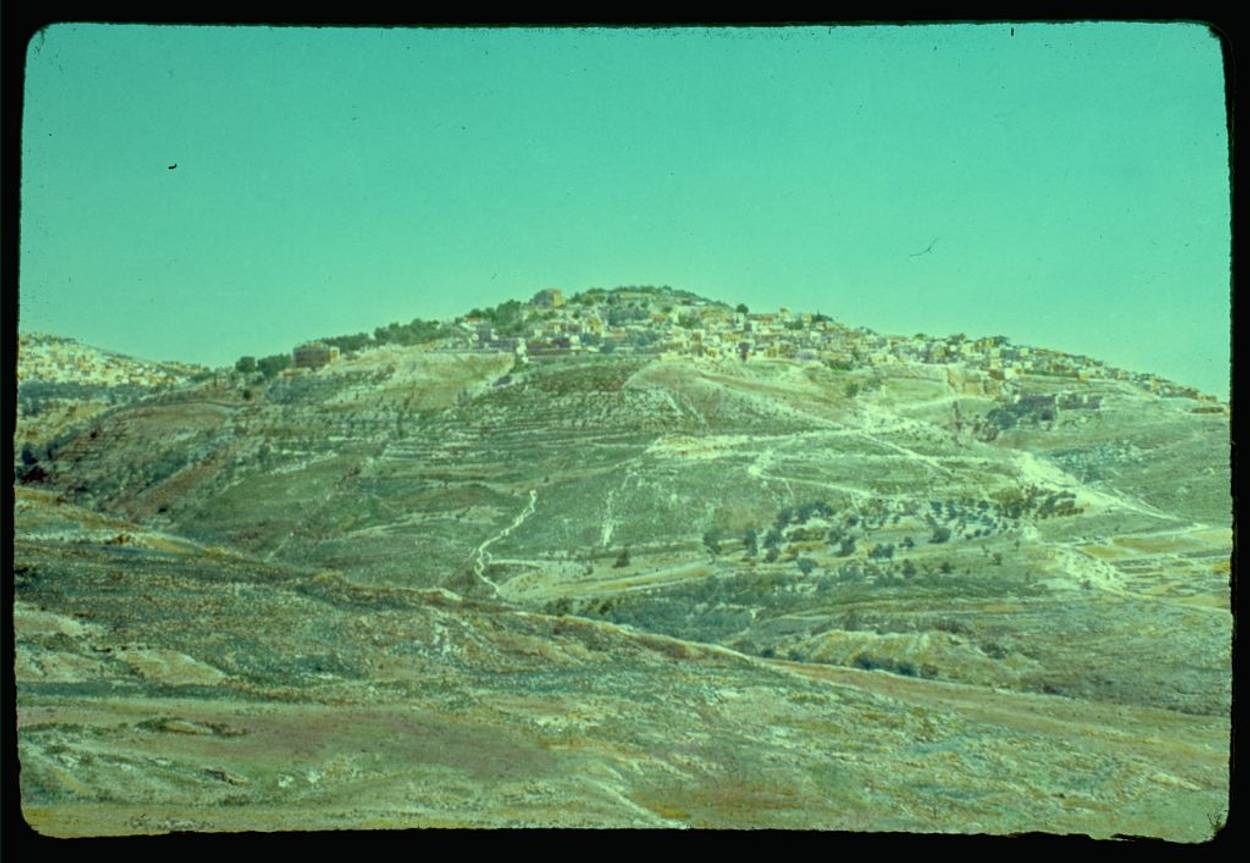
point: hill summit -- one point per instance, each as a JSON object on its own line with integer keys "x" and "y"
{"x": 648, "y": 320}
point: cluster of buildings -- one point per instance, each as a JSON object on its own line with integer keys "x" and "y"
{"x": 643, "y": 322}
{"x": 43, "y": 357}
{"x": 664, "y": 323}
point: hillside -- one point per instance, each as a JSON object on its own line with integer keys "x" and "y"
{"x": 171, "y": 686}
{"x": 787, "y": 536}
{"x": 62, "y": 383}
{"x": 49, "y": 359}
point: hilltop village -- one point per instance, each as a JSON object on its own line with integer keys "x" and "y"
{"x": 669, "y": 323}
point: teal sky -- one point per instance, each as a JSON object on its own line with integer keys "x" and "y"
{"x": 333, "y": 180}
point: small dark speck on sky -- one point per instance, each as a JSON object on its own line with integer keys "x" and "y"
{"x": 927, "y": 249}
{"x": 1013, "y": 31}
{"x": 174, "y": 165}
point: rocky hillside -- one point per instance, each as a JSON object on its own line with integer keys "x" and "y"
{"x": 824, "y": 513}
{"x": 170, "y": 686}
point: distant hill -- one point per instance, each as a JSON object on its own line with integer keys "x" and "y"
{"x": 45, "y": 358}
{"x": 62, "y": 383}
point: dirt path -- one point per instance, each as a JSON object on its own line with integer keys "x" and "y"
{"x": 482, "y": 556}
{"x": 1032, "y": 469}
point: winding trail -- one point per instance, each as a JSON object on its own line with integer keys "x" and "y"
{"x": 483, "y": 556}
{"x": 609, "y": 524}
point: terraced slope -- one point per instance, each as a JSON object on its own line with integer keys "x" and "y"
{"x": 169, "y": 686}
{"x": 885, "y": 571}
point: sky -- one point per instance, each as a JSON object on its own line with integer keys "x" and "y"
{"x": 1070, "y": 181}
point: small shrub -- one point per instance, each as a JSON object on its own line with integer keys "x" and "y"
{"x": 31, "y": 475}
{"x": 563, "y": 605}
{"x": 30, "y": 454}
{"x": 711, "y": 541}
{"x": 994, "y": 650}
{"x": 270, "y": 366}
{"x": 750, "y": 542}
{"x": 866, "y": 662}
{"x": 881, "y": 552}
